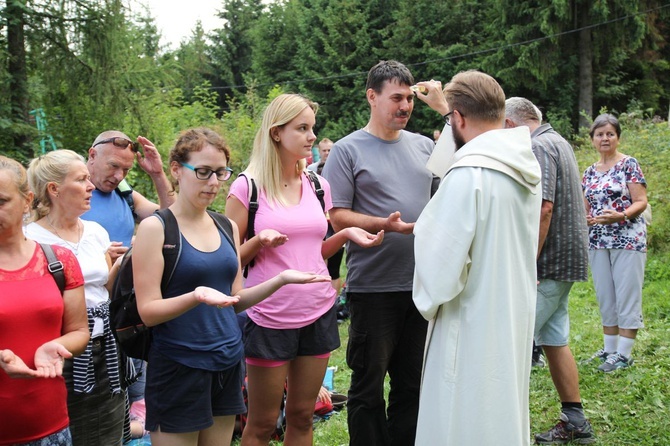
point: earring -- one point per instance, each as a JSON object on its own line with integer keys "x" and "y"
{"x": 277, "y": 139}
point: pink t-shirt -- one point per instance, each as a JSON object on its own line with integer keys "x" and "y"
{"x": 292, "y": 306}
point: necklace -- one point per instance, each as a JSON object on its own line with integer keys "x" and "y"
{"x": 74, "y": 248}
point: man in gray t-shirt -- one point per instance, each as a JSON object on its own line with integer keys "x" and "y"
{"x": 562, "y": 260}
{"x": 379, "y": 181}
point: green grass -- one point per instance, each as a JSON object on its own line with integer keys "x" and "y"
{"x": 627, "y": 407}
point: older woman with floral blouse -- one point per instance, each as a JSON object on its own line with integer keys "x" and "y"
{"x": 615, "y": 196}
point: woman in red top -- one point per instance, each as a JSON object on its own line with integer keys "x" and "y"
{"x": 38, "y": 326}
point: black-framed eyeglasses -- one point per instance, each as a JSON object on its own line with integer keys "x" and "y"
{"x": 121, "y": 143}
{"x": 447, "y": 117}
{"x": 204, "y": 173}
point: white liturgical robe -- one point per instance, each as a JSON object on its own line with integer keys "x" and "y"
{"x": 475, "y": 281}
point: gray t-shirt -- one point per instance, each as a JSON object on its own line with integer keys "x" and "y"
{"x": 564, "y": 255}
{"x": 375, "y": 177}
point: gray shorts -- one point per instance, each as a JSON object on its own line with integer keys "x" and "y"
{"x": 552, "y": 322}
{"x": 618, "y": 275}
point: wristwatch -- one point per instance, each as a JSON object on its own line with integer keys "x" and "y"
{"x": 625, "y": 217}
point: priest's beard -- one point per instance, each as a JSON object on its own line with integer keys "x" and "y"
{"x": 458, "y": 138}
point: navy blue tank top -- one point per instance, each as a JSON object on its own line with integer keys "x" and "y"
{"x": 204, "y": 337}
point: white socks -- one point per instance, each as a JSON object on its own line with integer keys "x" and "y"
{"x": 619, "y": 344}
{"x": 611, "y": 343}
{"x": 625, "y": 346}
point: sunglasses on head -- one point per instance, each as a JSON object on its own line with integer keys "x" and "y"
{"x": 120, "y": 142}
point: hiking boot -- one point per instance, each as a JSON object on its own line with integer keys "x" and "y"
{"x": 601, "y": 355}
{"x": 565, "y": 432}
{"x": 614, "y": 362}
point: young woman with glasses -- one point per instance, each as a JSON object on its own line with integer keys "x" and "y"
{"x": 194, "y": 382}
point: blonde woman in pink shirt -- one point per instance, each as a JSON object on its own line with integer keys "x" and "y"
{"x": 289, "y": 335}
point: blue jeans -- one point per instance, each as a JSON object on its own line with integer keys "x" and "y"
{"x": 387, "y": 335}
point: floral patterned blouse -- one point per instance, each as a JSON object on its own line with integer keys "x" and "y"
{"x": 609, "y": 190}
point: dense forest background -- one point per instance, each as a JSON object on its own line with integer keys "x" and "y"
{"x": 92, "y": 65}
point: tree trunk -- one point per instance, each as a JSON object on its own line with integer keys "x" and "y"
{"x": 585, "y": 102}
{"x": 18, "y": 82}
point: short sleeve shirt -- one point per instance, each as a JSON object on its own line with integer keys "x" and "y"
{"x": 293, "y": 305}
{"x": 609, "y": 190}
{"x": 32, "y": 313}
{"x": 376, "y": 177}
{"x": 91, "y": 254}
{"x": 564, "y": 255}
{"x": 112, "y": 212}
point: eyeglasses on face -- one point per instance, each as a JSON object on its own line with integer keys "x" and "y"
{"x": 121, "y": 143}
{"x": 203, "y": 173}
{"x": 448, "y": 116}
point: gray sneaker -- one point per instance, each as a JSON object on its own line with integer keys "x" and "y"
{"x": 614, "y": 362}
{"x": 565, "y": 432}
{"x": 601, "y": 356}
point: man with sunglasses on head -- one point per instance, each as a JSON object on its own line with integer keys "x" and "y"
{"x": 114, "y": 205}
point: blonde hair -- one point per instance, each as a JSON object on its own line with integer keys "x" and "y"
{"x": 50, "y": 168}
{"x": 18, "y": 172}
{"x": 265, "y": 164}
{"x": 476, "y": 95}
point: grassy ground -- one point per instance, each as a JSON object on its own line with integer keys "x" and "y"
{"x": 627, "y": 407}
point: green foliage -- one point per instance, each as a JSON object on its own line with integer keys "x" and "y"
{"x": 241, "y": 123}
{"x": 232, "y": 49}
{"x": 166, "y": 114}
{"x": 238, "y": 126}
{"x": 194, "y": 62}
{"x": 560, "y": 121}
{"x": 97, "y": 65}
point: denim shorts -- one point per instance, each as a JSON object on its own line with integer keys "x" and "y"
{"x": 318, "y": 338}
{"x": 552, "y": 322}
{"x": 183, "y": 399}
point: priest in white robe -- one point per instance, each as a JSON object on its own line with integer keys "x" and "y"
{"x": 475, "y": 274}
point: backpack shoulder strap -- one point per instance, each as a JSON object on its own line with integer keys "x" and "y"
{"x": 318, "y": 190}
{"x": 223, "y": 223}
{"x": 171, "y": 245}
{"x": 54, "y": 266}
{"x": 125, "y": 191}
{"x": 251, "y": 217}
{"x": 253, "y": 205}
